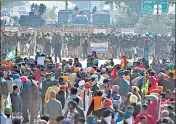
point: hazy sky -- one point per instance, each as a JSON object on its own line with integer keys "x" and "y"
{"x": 50, "y": 4}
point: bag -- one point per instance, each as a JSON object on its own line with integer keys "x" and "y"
{"x": 3, "y": 87}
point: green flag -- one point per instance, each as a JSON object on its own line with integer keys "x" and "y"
{"x": 8, "y": 103}
{"x": 11, "y": 55}
{"x": 145, "y": 85}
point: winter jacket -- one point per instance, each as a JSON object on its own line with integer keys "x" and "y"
{"x": 34, "y": 91}
{"x": 61, "y": 96}
{"x": 124, "y": 88}
{"x": 3, "y": 87}
{"x": 16, "y": 102}
{"x": 45, "y": 86}
{"x": 47, "y": 94}
{"x": 71, "y": 98}
{"x": 25, "y": 91}
{"x": 53, "y": 108}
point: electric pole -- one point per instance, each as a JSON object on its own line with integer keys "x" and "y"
{"x": 158, "y": 2}
{"x": 66, "y": 4}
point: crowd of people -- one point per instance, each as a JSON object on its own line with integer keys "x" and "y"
{"x": 67, "y": 93}
{"x": 55, "y": 44}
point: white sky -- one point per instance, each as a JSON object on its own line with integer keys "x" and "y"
{"x": 50, "y": 4}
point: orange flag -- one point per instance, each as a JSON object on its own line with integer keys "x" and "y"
{"x": 114, "y": 73}
{"x": 123, "y": 62}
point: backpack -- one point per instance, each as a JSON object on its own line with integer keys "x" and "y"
{"x": 3, "y": 87}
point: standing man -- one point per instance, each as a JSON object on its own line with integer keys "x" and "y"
{"x": 85, "y": 46}
{"x": 53, "y": 108}
{"x": 34, "y": 97}
{"x": 25, "y": 95}
{"x": 48, "y": 45}
{"x": 57, "y": 47}
{"x": 3, "y": 90}
{"x": 44, "y": 86}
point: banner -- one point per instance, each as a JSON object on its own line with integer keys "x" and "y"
{"x": 96, "y": 31}
{"x": 99, "y": 47}
{"x": 128, "y": 31}
{"x": 12, "y": 29}
{"x": 40, "y": 60}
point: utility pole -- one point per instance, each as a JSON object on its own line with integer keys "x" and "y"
{"x": 158, "y": 3}
{"x": 66, "y": 4}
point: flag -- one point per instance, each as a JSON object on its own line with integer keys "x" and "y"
{"x": 114, "y": 73}
{"x": 11, "y": 55}
{"x": 145, "y": 84}
{"x": 134, "y": 58}
{"x": 141, "y": 65}
{"x": 123, "y": 62}
{"x": 100, "y": 81}
{"x": 37, "y": 77}
{"x": 8, "y": 102}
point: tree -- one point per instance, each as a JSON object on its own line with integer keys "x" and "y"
{"x": 51, "y": 13}
{"x": 155, "y": 24}
{"x": 125, "y": 13}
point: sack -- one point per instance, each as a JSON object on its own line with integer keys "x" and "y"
{"x": 3, "y": 87}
